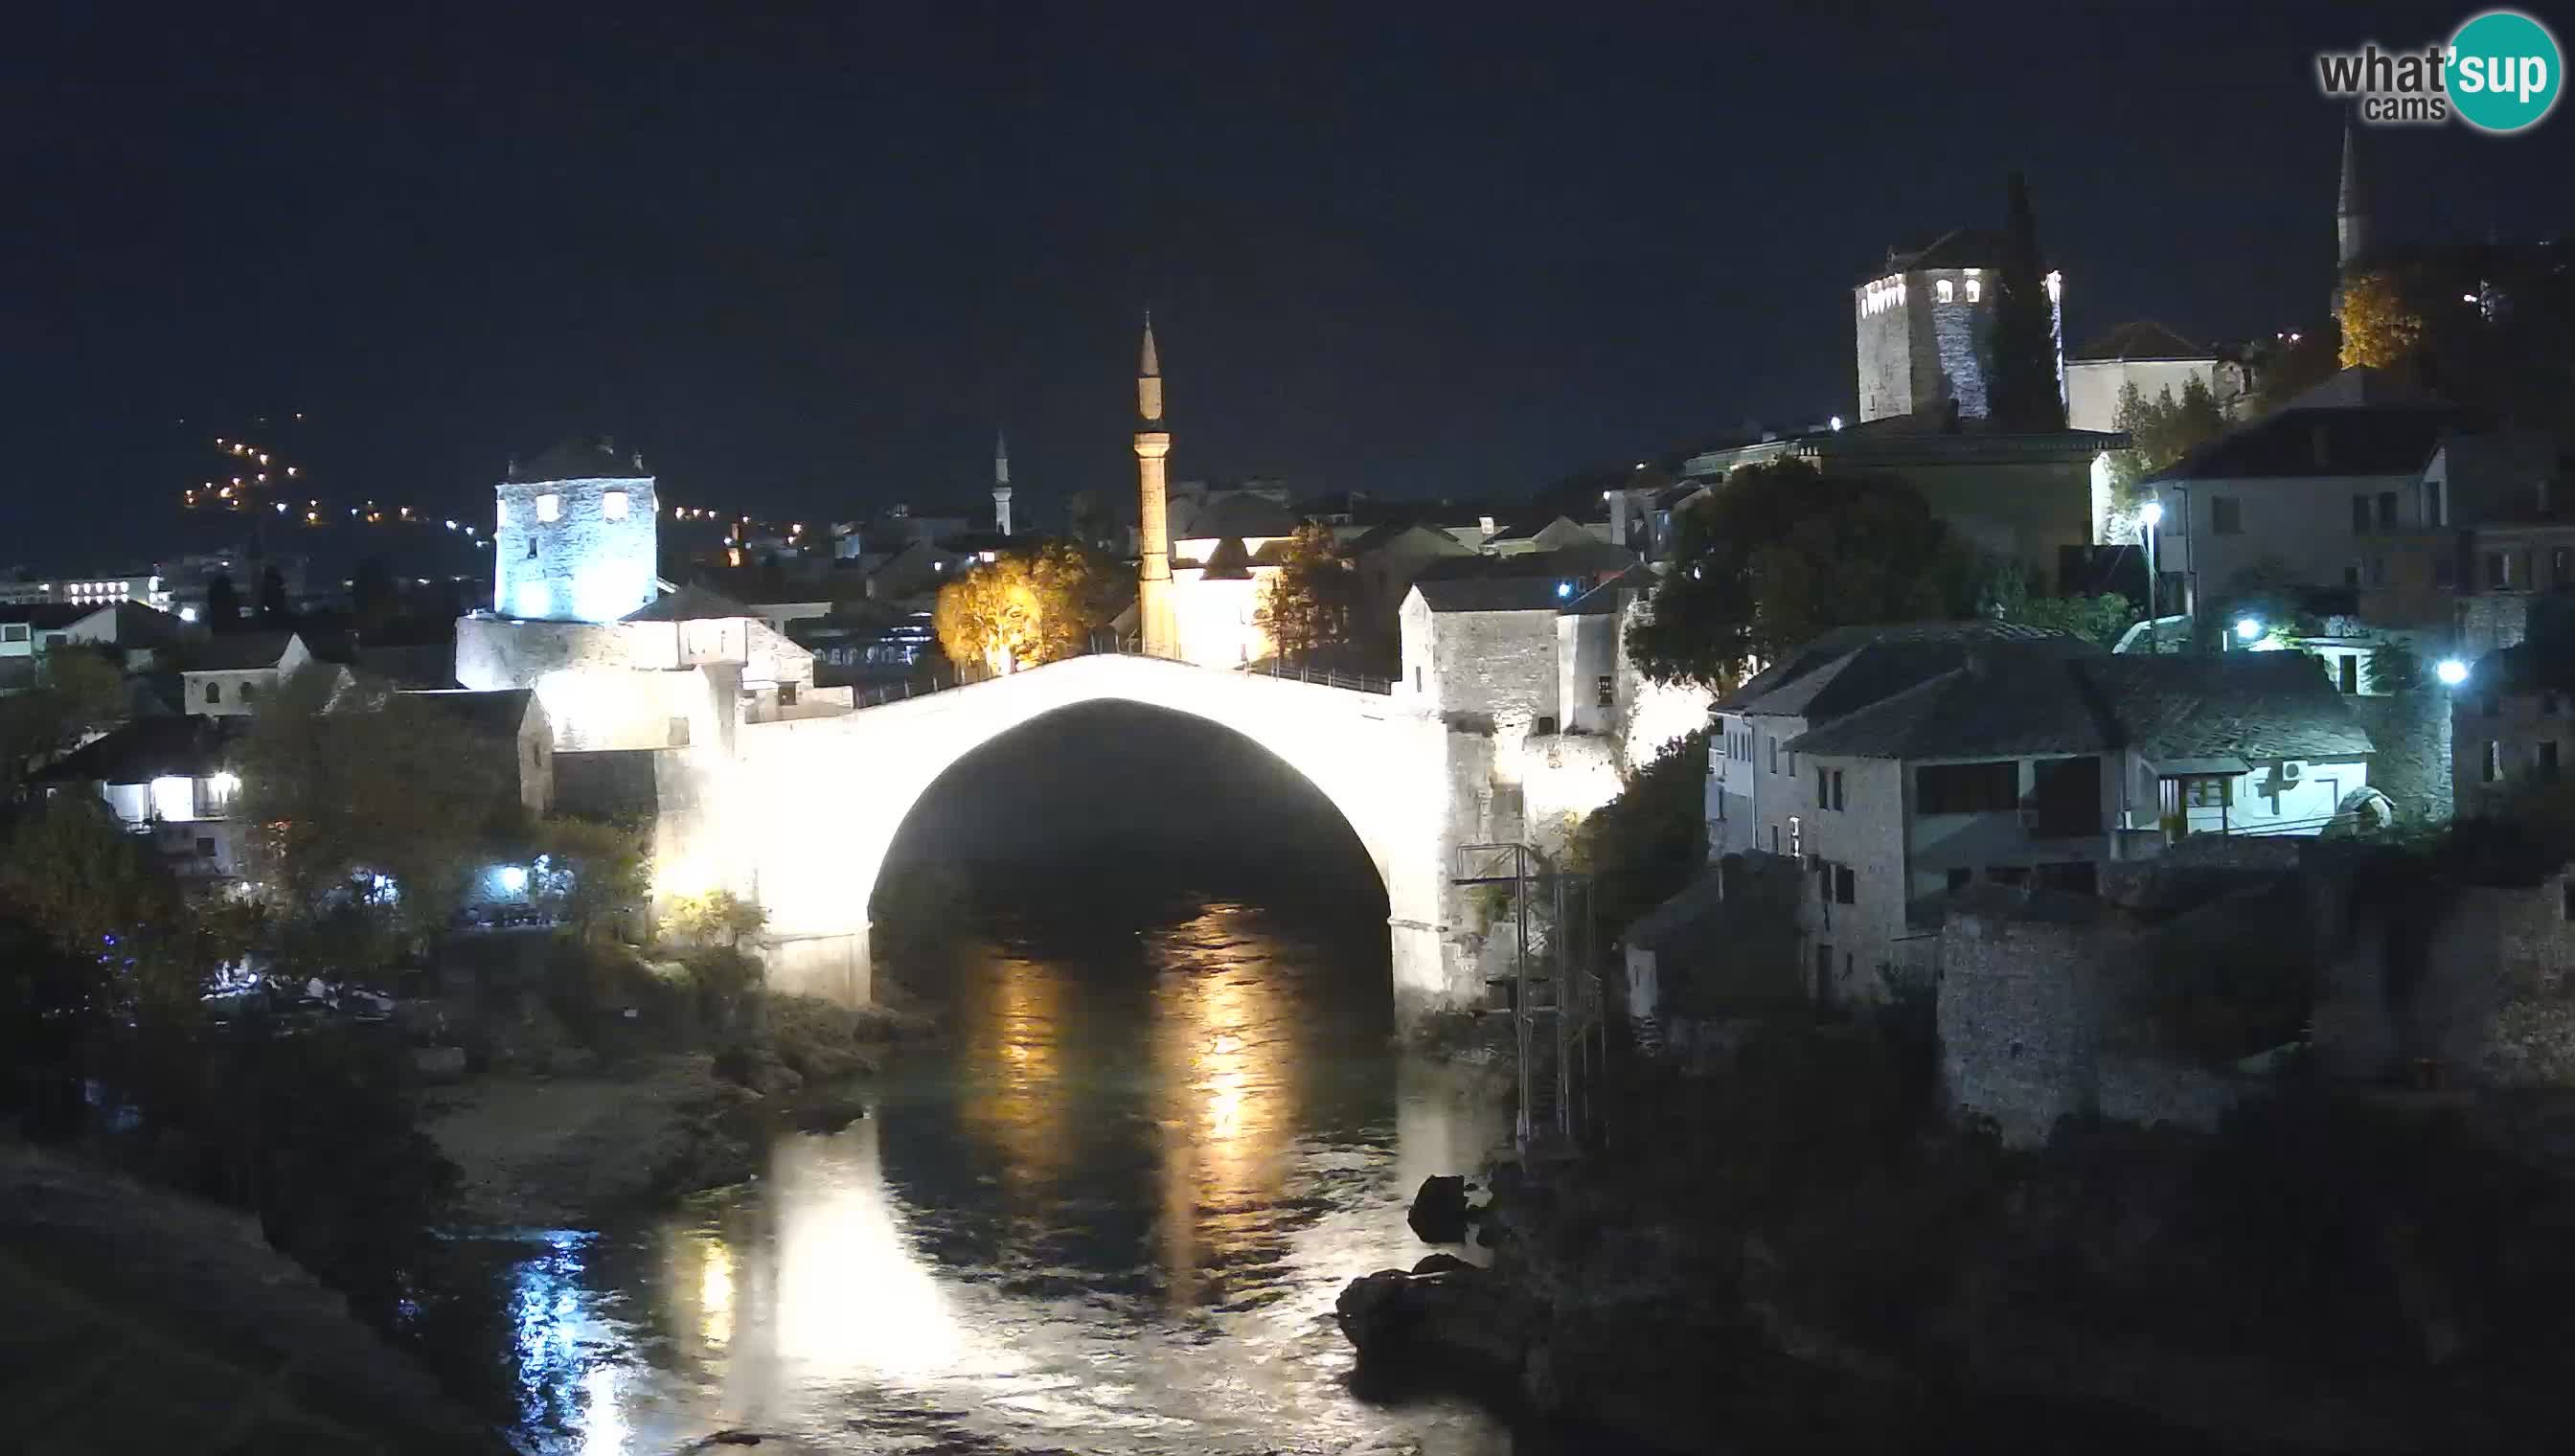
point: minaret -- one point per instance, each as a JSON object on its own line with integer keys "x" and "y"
{"x": 1002, "y": 483}
{"x": 2351, "y": 214}
{"x": 1155, "y": 620}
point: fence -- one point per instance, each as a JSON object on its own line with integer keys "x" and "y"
{"x": 940, "y": 682}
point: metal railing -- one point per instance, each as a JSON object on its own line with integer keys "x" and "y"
{"x": 1102, "y": 647}
{"x": 1322, "y": 678}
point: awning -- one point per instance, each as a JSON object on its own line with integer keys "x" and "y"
{"x": 2200, "y": 768}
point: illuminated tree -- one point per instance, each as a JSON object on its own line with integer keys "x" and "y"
{"x": 2160, "y": 431}
{"x": 1023, "y": 609}
{"x": 2379, "y": 328}
{"x": 592, "y": 872}
{"x": 1305, "y": 606}
{"x": 715, "y": 918}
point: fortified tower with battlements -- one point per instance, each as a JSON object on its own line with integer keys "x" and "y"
{"x": 576, "y": 536}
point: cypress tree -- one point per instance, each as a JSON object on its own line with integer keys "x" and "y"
{"x": 2020, "y": 348}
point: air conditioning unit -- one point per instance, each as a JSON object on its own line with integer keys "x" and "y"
{"x": 2289, "y": 769}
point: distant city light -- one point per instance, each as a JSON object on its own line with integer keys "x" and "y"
{"x": 2451, "y": 671}
{"x": 187, "y": 614}
{"x": 1837, "y": 422}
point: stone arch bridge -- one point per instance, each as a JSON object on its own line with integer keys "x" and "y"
{"x": 802, "y": 813}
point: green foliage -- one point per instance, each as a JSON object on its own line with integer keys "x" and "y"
{"x": 1644, "y": 845}
{"x": 79, "y": 692}
{"x": 726, "y": 979}
{"x": 715, "y": 918}
{"x": 595, "y": 871}
{"x": 344, "y": 786}
{"x": 2096, "y": 619}
{"x": 2393, "y": 667}
{"x": 1779, "y": 553}
{"x": 2161, "y": 432}
{"x": 2020, "y": 347}
{"x": 1307, "y": 608}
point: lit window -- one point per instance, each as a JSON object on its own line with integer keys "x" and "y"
{"x": 550, "y": 506}
{"x": 1975, "y": 289}
{"x": 1947, "y": 292}
{"x": 612, "y": 505}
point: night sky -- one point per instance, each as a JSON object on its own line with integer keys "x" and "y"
{"x": 808, "y": 258}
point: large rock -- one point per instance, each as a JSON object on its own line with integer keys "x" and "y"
{"x": 1464, "y": 1324}
{"x": 1440, "y": 1214}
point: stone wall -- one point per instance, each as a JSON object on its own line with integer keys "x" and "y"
{"x": 1956, "y": 328}
{"x": 2477, "y": 982}
{"x": 2412, "y": 765}
{"x": 2019, "y": 1014}
{"x": 584, "y": 564}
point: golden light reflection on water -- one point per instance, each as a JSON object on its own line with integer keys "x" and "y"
{"x": 1015, "y": 1040}
{"x": 1222, "y": 1044}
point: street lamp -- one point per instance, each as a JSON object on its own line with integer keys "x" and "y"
{"x": 2451, "y": 671}
{"x": 2152, "y": 514}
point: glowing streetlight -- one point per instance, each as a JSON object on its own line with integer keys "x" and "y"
{"x": 2151, "y": 513}
{"x": 2247, "y": 629}
{"x": 2451, "y": 671}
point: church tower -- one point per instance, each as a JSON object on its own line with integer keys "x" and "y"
{"x": 2351, "y": 214}
{"x": 1156, "y": 622}
{"x": 1002, "y": 483}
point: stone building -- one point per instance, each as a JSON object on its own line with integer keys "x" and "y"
{"x": 576, "y": 536}
{"x": 2512, "y": 726}
{"x": 229, "y": 674}
{"x": 2153, "y": 359}
{"x": 511, "y": 723}
{"x": 1920, "y": 324}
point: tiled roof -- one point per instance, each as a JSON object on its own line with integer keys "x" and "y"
{"x": 1582, "y": 562}
{"x": 1842, "y": 641}
{"x": 1957, "y": 248}
{"x": 689, "y": 604}
{"x": 577, "y": 459}
{"x": 2251, "y": 704}
{"x": 149, "y": 749}
{"x": 2370, "y": 440}
{"x": 495, "y": 713}
{"x": 1491, "y": 594}
{"x": 2141, "y": 338}
{"x": 238, "y": 651}
{"x": 46, "y": 616}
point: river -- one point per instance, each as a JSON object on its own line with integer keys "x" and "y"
{"x": 1108, "y": 1212}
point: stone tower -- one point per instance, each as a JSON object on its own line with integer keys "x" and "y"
{"x": 1002, "y": 483}
{"x": 1154, "y": 618}
{"x": 576, "y": 536}
{"x": 2351, "y": 213}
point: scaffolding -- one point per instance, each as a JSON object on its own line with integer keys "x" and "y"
{"x": 1552, "y": 990}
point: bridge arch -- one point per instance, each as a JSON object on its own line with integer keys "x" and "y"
{"x": 807, "y": 810}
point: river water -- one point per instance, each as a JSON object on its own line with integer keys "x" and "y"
{"x": 1108, "y": 1213}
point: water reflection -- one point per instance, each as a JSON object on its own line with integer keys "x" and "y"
{"x": 1113, "y": 1217}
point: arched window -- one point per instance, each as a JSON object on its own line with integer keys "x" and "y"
{"x": 249, "y": 692}
{"x": 1975, "y": 289}
{"x": 1947, "y": 291}
{"x": 214, "y": 693}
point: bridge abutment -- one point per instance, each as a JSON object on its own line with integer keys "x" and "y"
{"x": 835, "y": 966}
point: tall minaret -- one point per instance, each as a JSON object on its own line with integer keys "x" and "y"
{"x": 1002, "y": 483}
{"x": 1154, "y": 616}
{"x": 2351, "y": 214}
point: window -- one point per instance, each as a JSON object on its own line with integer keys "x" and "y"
{"x": 1824, "y": 973}
{"x": 1845, "y": 885}
{"x": 550, "y": 506}
{"x": 2548, "y": 705}
{"x": 1796, "y": 836}
{"x": 2547, "y": 764}
{"x": 249, "y": 692}
{"x": 2348, "y": 668}
{"x": 214, "y": 693}
{"x": 2445, "y": 572}
{"x": 2378, "y": 571}
{"x": 1774, "y": 838}
{"x": 1417, "y": 679}
{"x": 2065, "y": 795}
{"x": 1966, "y": 789}
{"x": 1975, "y": 289}
{"x": 2361, "y": 514}
{"x": 1604, "y": 690}
{"x": 205, "y": 847}
{"x": 13, "y": 631}
{"x": 2387, "y": 509}
{"x": 2208, "y": 791}
{"x": 787, "y": 694}
{"x": 2561, "y": 566}
{"x": 2351, "y": 575}
{"x": 2492, "y": 768}
{"x": 612, "y": 505}
{"x": 1542, "y": 726}
{"x": 1774, "y": 756}
{"x": 2225, "y": 516}
{"x": 2566, "y": 899}
{"x": 678, "y": 733}
{"x": 1948, "y": 290}
{"x": 1837, "y": 789}
{"x": 2498, "y": 571}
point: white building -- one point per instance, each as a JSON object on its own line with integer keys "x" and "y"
{"x": 171, "y": 779}
{"x": 144, "y": 586}
{"x": 2150, "y": 357}
{"x": 231, "y": 672}
{"x": 2023, "y": 762}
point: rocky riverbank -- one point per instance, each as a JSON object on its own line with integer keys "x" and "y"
{"x": 1803, "y": 1272}
{"x": 142, "y": 1320}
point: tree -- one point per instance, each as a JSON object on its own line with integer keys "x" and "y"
{"x": 1641, "y": 846}
{"x": 590, "y": 871}
{"x": 1023, "y": 609}
{"x": 2161, "y": 432}
{"x": 223, "y": 604}
{"x": 715, "y": 918}
{"x": 272, "y": 598}
{"x": 2380, "y": 329}
{"x": 2100, "y": 619}
{"x": 79, "y": 692}
{"x": 96, "y": 892}
{"x": 370, "y": 808}
{"x": 1306, "y": 607}
{"x": 2024, "y": 392}
{"x": 1086, "y": 520}
{"x": 1779, "y": 553}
